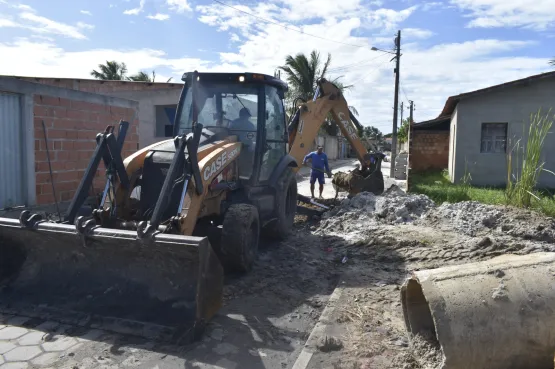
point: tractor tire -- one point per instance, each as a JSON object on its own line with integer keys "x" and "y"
{"x": 285, "y": 207}
{"x": 240, "y": 238}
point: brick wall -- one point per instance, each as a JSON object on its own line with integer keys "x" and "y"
{"x": 98, "y": 86}
{"x": 71, "y": 128}
{"x": 429, "y": 150}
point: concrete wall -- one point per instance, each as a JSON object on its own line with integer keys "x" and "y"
{"x": 513, "y": 106}
{"x": 149, "y": 95}
{"x": 72, "y": 120}
{"x": 331, "y": 147}
{"x": 429, "y": 150}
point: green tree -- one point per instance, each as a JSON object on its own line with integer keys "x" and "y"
{"x": 372, "y": 132}
{"x": 112, "y": 70}
{"x": 302, "y": 73}
{"x": 143, "y": 77}
{"x": 403, "y": 131}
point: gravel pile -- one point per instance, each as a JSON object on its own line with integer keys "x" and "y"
{"x": 467, "y": 217}
{"x": 354, "y": 215}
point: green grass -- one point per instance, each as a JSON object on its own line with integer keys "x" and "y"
{"x": 436, "y": 186}
{"x": 524, "y": 166}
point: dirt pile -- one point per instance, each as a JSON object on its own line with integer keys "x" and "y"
{"x": 385, "y": 238}
{"x": 474, "y": 219}
{"x": 352, "y": 217}
{"x": 468, "y": 217}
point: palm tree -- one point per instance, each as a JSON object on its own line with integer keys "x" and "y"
{"x": 143, "y": 77}
{"x": 112, "y": 70}
{"x": 552, "y": 62}
{"x": 303, "y": 72}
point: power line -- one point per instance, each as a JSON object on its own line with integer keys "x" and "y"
{"x": 403, "y": 89}
{"x": 354, "y": 65}
{"x": 374, "y": 69}
{"x": 286, "y": 27}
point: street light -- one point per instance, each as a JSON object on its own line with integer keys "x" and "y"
{"x": 397, "y": 58}
{"x": 385, "y": 51}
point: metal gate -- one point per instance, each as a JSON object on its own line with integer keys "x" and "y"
{"x": 12, "y": 191}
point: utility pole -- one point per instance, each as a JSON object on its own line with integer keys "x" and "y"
{"x": 409, "y": 141}
{"x": 395, "y": 105}
{"x": 401, "y": 117}
{"x": 411, "y": 107}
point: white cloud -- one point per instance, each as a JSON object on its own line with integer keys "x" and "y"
{"x": 387, "y": 19}
{"x": 158, "y": 16}
{"x": 179, "y": 6}
{"x": 537, "y": 15}
{"x": 432, "y": 5}
{"x": 45, "y": 25}
{"x": 28, "y": 19}
{"x": 416, "y": 33}
{"x": 428, "y": 74}
{"x": 45, "y": 59}
{"x": 37, "y": 24}
{"x": 84, "y": 25}
{"x": 8, "y": 22}
{"x": 23, "y": 7}
{"x": 86, "y": 12}
{"x": 135, "y": 11}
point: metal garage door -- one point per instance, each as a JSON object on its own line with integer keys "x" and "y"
{"x": 11, "y": 153}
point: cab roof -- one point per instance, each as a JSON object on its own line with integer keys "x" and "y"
{"x": 237, "y": 78}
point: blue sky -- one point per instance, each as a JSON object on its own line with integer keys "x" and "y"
{"x": 449, "y": 47}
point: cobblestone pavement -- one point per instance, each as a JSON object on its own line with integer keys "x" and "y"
{"x": 231, "y": 341}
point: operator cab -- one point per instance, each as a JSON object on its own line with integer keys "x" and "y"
{"x": 247, "y": 105}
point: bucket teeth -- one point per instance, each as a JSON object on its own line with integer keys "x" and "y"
{"x": 27, "y": 220}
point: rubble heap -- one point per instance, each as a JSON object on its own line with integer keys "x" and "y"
{"x": 467, "y": 217}
{"x": 354, "y": 215}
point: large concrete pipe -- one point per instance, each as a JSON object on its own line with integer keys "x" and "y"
{"x": 496, "y": 314}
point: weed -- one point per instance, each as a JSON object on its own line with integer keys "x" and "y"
{"x": 524, "y": 165}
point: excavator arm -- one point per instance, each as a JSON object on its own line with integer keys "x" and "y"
{"x": 310, "y": 116}
{"x": 306, "y": 123}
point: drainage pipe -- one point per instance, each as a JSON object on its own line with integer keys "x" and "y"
{"x": 496, "y": 314}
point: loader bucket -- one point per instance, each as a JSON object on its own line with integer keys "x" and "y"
{"x": 164, "y": 288}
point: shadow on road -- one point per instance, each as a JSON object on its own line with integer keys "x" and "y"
{"x": 267, "y": 314}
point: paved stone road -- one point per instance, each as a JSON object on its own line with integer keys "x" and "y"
{"x": 259, "y": 338}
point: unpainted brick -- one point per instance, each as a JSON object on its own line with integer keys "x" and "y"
{"x": 45, "y": 199}
{"x": 84, "y": 105}
{"x": 40, "y": 111}
{"x": 77, "y": 114}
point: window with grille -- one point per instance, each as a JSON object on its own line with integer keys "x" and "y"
{"x": 494, "y": 138}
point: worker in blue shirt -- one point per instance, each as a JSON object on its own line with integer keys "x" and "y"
{"x": 319, "y": 163}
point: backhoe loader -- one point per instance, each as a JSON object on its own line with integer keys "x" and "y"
{"x": 175, "y": 216}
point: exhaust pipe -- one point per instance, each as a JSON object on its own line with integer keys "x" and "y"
{"x": 495, "y": 314}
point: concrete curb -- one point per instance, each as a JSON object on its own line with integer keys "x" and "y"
{"x": 318, "y": 331}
